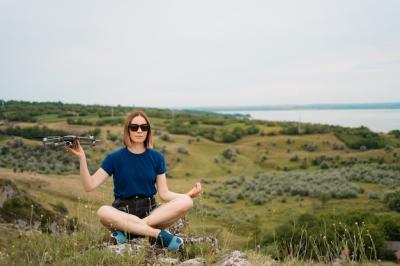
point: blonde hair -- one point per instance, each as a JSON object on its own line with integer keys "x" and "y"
{"x": 148, "y": 142}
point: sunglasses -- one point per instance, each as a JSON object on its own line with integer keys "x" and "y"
{"x": 135, "y": 127}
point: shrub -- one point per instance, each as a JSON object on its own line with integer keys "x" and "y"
{"x": 391, "y": 226}
{"x": 324, "y": 165}
{"x": 294, "y": 158}
{"x": 292, "y": 130}
{"x": 311, "y": 147}
{"x": 355, "y": 138}
{"x": 363, "y": 148}
{"x": 166, "y": 137}
{"x": 373, "y": 195}
{"x": 183, "y": 150}
{"x": 40, "y": 159}
{"x": 110, "y": 121}
{"x": 392, "y": 200}
{"x": 304, "y": 164}
{"x": 336, "y": 146}
{"x": 229, "y": 154}
{"x": 252, "y": 130}
{"x": 112, "y": 137}
{"x": 395, "y": 132}
{"x": 263, "y": 158}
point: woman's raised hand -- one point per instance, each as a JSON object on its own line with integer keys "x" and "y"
{"x": 195, "y": 191}
{"x": 77, "y": 150}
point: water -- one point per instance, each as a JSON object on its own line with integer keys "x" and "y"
{"x": 378, "y": 120}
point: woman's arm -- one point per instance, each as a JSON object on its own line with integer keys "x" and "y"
{"x": 89, "y": 182}
{"x": 167, "y": 195}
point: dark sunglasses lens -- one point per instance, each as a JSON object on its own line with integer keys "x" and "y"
{"x": 133, "y": 127}
{"x": 145, "y": 127}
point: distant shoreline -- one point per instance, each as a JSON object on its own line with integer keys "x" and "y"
{"x": 349, "y": 106}
{"x": 378, "y": 120}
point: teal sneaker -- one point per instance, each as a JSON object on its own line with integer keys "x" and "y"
{"x": 167, "y": 240}
{"x": 119, "y": 237}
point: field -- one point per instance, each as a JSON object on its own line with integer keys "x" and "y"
{"x": 252, "y": 184}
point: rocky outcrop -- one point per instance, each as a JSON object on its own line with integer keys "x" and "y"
{"x": 7, "y": 191}
{"x": 22, "y": 210}
{"x": 235, "y": 258}
{"x": 158, "y": 256}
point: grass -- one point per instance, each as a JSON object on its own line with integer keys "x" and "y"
{"x": 199, "y": 164}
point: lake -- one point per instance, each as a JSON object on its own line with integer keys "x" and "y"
{"x": 378, "y": 120}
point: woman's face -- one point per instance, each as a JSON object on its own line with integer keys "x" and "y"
{"x": 137, "y": 134}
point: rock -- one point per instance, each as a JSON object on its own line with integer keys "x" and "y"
{"x": 6, "y": 192}
{"x": 167, "y": 261}
{"x": 213, "y": 241}
{"x": 195, "y": 261}
{"x": 336, "y": 262}
{"x": 134, "y": 245}
{"x": 21, "y": 224}
{"x": 36, "y": 225}
{"x": 178, "y": 226}
{"x": 235, "y": 258}
{"x": 27, "y": 229}
{"x": 54, "y": 228}
{"x": 121, "y": 249}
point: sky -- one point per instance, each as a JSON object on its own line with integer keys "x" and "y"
{"x": 200, "y": 53}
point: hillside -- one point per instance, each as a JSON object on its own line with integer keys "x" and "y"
{"x": 257, "y": 176}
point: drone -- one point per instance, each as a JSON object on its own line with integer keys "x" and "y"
{"x": 69, "y": 141}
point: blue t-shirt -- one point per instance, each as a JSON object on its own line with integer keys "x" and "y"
{"x": 134, "y": 174}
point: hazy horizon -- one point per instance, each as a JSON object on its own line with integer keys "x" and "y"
{"x": 357, "y": 105}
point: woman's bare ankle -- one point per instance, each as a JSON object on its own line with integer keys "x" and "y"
{"x": 155, "y": 233}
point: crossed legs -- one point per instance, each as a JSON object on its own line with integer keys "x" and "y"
{"x": 162, "y": 217}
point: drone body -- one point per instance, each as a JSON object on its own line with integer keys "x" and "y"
{"x": 69, "y": 141}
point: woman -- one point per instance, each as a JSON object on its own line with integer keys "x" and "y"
{"x": 139, "y": 173}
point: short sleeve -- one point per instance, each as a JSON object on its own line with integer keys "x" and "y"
{"x": 107, "y": 165}
{"x": 161, "y": 165}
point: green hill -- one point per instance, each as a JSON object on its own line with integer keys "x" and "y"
{"x": 256, "y": 175}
